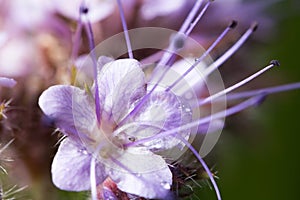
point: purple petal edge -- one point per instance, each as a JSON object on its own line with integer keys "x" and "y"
{"x": 7, "y": 82}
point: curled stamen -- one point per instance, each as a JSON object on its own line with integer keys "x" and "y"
{"x": 125, "y": 29}
{"x": 230, "y": 111}
{"x": 230, "y": 51}
{"x": 206, "y": 168}
{"x": 237, "y": 85}
{"x": 206, "y": 53}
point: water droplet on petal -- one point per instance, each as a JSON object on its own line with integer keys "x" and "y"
{"x": 165, "y": 185}
{"x": 83, "y": 151}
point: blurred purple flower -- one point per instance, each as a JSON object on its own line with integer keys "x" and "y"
{"x": 26, "y": 15}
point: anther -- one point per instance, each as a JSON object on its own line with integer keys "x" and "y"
{"x": 84, "y": 10}
{"x": 198, "y": 60}
{"x": 275, "y": 63}
{"x": 132, "y": 139}
{"x": 178, "y": 41}
{"x": 254, "y": 26}
{"x": 233, "y": 24}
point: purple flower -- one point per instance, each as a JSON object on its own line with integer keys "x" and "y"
{"x": 129, "y": 125}
{"x": 136, "y": 170}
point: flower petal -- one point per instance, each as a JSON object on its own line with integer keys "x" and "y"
{"x": 154, "y": 8}
{"x": 121, "y": 82}
{"x": 70, "y": 109}
{"x": 162, "y": 111}
{"x": 7, "y": 82}
{"x": 71, "y": 167}
{"x": 145, "y": 175}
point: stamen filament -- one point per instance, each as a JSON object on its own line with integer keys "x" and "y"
{"x": 90, "y": 35}
{"x": 93, "y": 175}
{"x": 269, "y": 90}
{"x": 6, "y": 146}
{"x": 172, "y": 48}
{"x": 191, "y": 16}
{"x": 125, "y": 29}
{"x": 193, "y": 24}
{"x": 206, "y": 168}
{"x": 235, "y": 86}
{"x": 230, "y": 111}
{"x": 206, "y": 53}
{"x": 76, "y": 40}
{"x": 93, "y": 179}
{"x": 230, "y": 51}
{"x": 181, "y": 35}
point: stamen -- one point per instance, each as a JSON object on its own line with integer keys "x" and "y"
{"x": 206, "y": 53}
{"x": 230, "y": 51}
{"x": 6, "y": 146}
{"x": 83, "y": 10}
{"x": 191, "y": 16}
{"x": 122, "y": 15}
{"x": 171, "y": 50}
{"x": 93, "y": 175}
{"x": 166, "y": 56}
{"x": 222, "y": 114}
{"x": 93, "y": 178}
{"x": 90, "y": 35}
{"x": 269, "y": 90}
{"x": 193, "y": 24}
{"x": 206, "y": 168}
{"x": 76, "y": 41}
{"x": 237, "y": 85}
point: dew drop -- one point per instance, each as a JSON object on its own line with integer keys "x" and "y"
{"x": 83, "y": 151}
{"x": 165, "y": 185}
